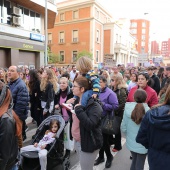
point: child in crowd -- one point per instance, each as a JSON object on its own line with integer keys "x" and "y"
{"x": 48, "y": 138}
{"x": 133, "y": 115}
{"x": 84, "y": 66}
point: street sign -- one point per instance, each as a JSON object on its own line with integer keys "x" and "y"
{"x": 109, "y": 61}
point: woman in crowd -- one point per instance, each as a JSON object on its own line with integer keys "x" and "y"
{"x": 143, "y": 79}
{"x": 105, "y": 73}
{"x": 133, "y": 115}
{"x": 34, "y": 91}
{"x": 154, "y": 134}
{"x": 87, "y": 128}
{"x": 162, "y": 92}
{"x": 3, "y": 76}
{"x": 48, "y": 86}
{"x": 119, "y": 86}
{"x": 109, "y": 103}
{"x": 27, "y": 74}
{"x": 161, "y": 74}
{"x": 64, "y": 94}
{"x": 10, "y": 130}
{"x": 133, "y": 82}
{"x": 127, "y": 78}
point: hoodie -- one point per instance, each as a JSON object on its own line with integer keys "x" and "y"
{"x": 154, "y": 134}
{"x": 130, "y": 128}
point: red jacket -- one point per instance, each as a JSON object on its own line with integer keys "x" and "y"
{"x": 151, "y": 100}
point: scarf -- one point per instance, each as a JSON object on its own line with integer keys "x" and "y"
{"x": 5, "y": 104}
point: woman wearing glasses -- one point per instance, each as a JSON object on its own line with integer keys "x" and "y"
{"x": 143, "y": 79}
{"x": 86, "y": 130}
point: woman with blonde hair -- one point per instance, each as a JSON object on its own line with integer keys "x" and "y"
{"x": 48, "y": 87}
{"x": 119, "y": 86}
{"x": 105, "y": 73}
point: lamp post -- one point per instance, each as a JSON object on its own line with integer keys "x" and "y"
{"x": 46, "y": 33}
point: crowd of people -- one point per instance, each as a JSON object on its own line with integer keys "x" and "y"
{"x": 139, "y": 96}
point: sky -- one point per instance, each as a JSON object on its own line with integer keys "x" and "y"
{"x": 158, "y": 13}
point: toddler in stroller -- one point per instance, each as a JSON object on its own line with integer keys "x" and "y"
{"x": 48, "y": 148}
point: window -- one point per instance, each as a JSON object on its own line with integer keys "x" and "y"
{"x": 75, "y": 35}
{"x": 5, "y": 11}
{"x": 75, "y": 14}
{"x": 62, "y": 17}
{"x": 134, "y": 31}
{"x": 143, "y": 44}
{"x": 144, "y": 24}
{"x": 143, "y": 31}
{"x": 134, "y": 24}
{"x": 143, "y": 37}
{"x": 49, "y": 38}
{"x": 98, "y": 36}
{"x": 97, "y": 56}
{"x": 61, "y": 56}
{"x": 61, "y": 37}
{"x": 74, "y": 56}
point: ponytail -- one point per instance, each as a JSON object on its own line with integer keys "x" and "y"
{"x": 138, "y": 113}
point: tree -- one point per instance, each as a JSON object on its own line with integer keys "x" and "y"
{"x": 52, "y": 57}
{"x": 84, "y": 53}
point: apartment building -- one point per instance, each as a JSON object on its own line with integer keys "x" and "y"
{"x": 79, "y": 26}
{"x": 140, "y": 29}
{"x": 119, "y": 41}
{"x": 22, "y": 31}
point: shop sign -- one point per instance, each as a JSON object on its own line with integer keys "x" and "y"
{"x": 27, "y": 46}
{"x": 37, "y": 37}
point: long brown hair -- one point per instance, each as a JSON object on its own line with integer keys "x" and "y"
{"x": 50, "y": 78}
{"x": 139, "y": 110}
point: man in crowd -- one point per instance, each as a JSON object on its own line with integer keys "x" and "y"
{"x": 167, "y": 74}
{"x": 73, "y": 73}
{"x": 20, "y": 96}
{"x": 155, "y": 80}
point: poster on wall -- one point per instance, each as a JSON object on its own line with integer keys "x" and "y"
{"x": 108, "y": 61}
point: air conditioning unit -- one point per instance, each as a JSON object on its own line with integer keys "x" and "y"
{"x": 16, "y": 21}
{"x": 16, "y": 11}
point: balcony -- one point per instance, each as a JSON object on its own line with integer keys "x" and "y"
{"x": 119, "y": 46}
{"x": 39, "y": 6}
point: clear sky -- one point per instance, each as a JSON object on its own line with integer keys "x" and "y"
{"x": 158, "y": 13}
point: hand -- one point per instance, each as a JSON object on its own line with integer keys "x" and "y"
{"x": 35, "y": 144}
{"x": 57, "y": 106}
{"x": 44, "y": 113}
{"x": 72, "y": 100}
{"x": 43, "y": 146}
{"x": 77, "y": 105}
{"x": 94, "y": 96}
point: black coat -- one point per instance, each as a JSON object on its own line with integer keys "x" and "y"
{"x": 48, "y": 95}
{"x": 154, "y": 134}
{"x": 156, "y": 83}
{"x": 20, "y": 97}
{"x": 90, "y": 125}
{"x": 8, "y": 141}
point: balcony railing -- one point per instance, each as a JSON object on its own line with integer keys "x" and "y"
{"x": 52, "y": 1}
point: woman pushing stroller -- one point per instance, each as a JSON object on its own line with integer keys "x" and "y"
{"x": 41, "y": 146}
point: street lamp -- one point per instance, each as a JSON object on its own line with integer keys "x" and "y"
{"x": 46, "y": 33}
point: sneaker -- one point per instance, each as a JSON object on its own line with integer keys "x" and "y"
{"x": 109, "y": 162}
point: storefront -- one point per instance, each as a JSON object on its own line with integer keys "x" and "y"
{"x": 15, "y": 51}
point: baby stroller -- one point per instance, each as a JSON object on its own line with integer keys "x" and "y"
{"x": 55, "y": 152}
